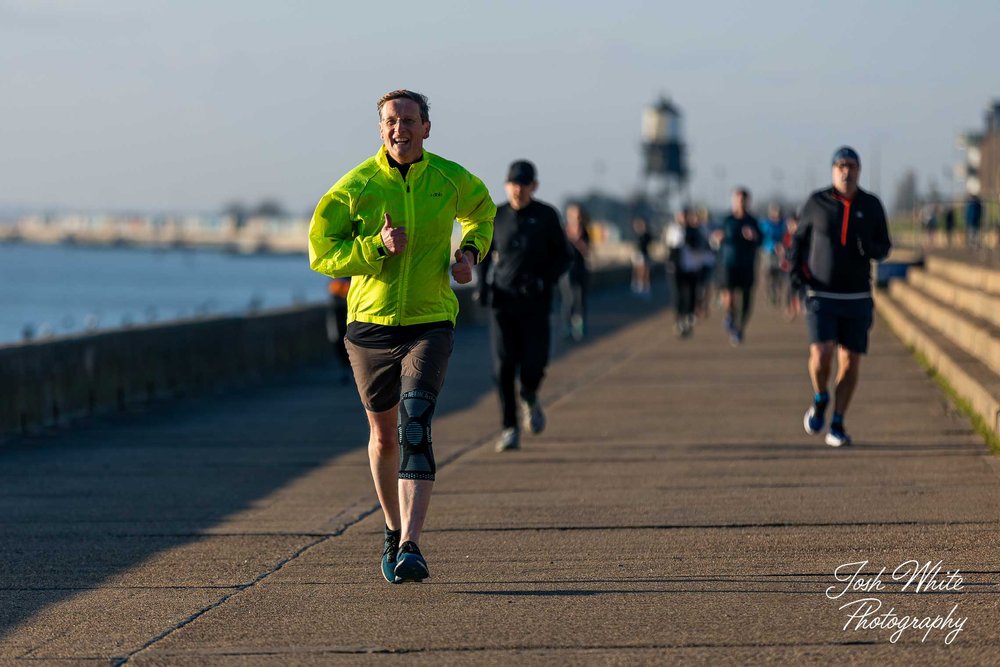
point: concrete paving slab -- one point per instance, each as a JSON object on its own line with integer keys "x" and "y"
{"x": 101, "y": 623}
{"x": 672, "y": 512}
{"x": 763, "y": 554}
{"x": 588, "y": 614}
{"x": 850, "y": 654}
{"x": 68, "y": 662}
{"x": 226, "y": 561}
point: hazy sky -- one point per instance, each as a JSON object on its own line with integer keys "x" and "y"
{"x": 187, "y": 105}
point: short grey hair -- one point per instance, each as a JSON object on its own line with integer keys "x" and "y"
{"x": 403, "y": 94}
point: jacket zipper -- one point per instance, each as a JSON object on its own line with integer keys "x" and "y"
{"x": 408, "y": 209}
{"x": 846, "y": 220}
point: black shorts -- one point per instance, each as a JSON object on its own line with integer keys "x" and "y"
{"x": 738, "y": 277}
{"x": 378, "y": 371}
{"x": 846, "y": 321}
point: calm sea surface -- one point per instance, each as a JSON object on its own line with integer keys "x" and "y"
{"x": 66, "y": 289}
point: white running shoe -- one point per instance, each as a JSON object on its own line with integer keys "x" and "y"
{"x": 532, "y": 417}
{"x": 837, "y": 437}
{"x": 509, "y": 439}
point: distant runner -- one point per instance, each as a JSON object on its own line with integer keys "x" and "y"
{"x": 641, "y": 260}
{"x": 688, "y": 255}
{"x": 573, "y": 284}
{"x": 739, "y": 240}
{"x": 773, "y": 233}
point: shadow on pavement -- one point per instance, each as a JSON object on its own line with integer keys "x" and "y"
{"x": 82, "y": 505}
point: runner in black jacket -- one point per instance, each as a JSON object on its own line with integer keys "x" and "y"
{"x": 842, "y": 230}
{"x": 739, "y": 238}
{"x": 528, "y": 255}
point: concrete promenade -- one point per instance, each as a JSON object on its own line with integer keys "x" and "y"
{"x": 674, "y": 512}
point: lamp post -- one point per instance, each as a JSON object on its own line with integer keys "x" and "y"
{"x": 664, "y": 151}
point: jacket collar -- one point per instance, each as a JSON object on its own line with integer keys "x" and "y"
{"x": 836, "y": 196}
{"x": 382, "y": 159}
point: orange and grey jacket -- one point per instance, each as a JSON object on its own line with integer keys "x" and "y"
{"x": 412, "y": 287}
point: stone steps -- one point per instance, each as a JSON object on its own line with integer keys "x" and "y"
{"x": 975, "y": 336}
{"x": 950, "y": 313}
{"x": 968, "y": 275}
{"x": 980, "y": 304}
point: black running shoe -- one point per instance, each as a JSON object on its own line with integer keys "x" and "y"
{"x": 389, "y": 555}
{"x": 410, "y": 565}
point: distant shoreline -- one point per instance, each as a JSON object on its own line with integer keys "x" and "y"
{"x": 252, "y": 237}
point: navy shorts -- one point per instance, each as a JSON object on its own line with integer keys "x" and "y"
{"x": 846, "y": 321}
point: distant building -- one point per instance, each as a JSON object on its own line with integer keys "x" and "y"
{"x": 664, "y": 153}
{"x": 981, "y": 169}
{"x": 989, "y": 155}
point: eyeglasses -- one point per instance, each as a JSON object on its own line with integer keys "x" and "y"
{"x": 405, "y": 122}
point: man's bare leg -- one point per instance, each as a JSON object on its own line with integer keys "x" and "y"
{"x": 726, "y": 299}
{"x": 729, "y": 317}
{"x": 414, "y": 499}
{"x": 820, "y": 361}
{"x": 848, "y": 371}
{"x": 383, "y": 457}
{"x": 404, "y": 501}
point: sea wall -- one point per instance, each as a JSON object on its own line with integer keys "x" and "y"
{"x": 51, "y": 382}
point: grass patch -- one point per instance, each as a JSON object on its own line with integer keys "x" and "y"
{"x": 978, "y": 423}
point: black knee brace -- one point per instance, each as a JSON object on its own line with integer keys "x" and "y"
{"x": 416, "y": 407}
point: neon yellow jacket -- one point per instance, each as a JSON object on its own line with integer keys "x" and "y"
{"x": 412, "y": 287}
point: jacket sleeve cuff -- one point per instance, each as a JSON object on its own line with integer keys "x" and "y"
{"x": 373, "y": 249}
{"x": 474, "y": 250}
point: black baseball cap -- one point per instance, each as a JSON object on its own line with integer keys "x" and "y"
{"x": 521, "y": 171}
{"x": 845, "y": 153}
